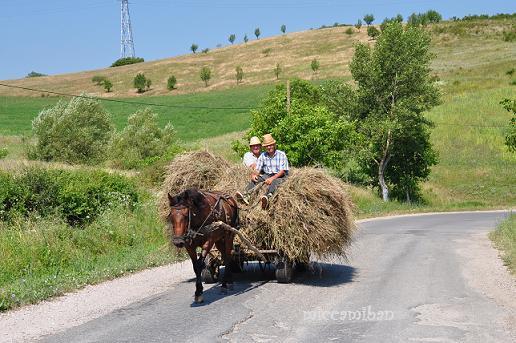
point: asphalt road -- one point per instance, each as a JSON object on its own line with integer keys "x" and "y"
{"x": 404, "y": 282}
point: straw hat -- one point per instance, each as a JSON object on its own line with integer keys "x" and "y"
{"x": 254, "y": 141}
{"x": 268, "y": 140}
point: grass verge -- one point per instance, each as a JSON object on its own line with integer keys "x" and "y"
{"x": 504, "y": 238}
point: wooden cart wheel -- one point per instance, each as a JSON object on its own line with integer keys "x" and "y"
{"x": 284, "y": 271}
{"x": 210, "y": 274}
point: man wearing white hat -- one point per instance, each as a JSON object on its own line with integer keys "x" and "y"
{"x": 271, "y": 168}
{"x": 255, "y": 148}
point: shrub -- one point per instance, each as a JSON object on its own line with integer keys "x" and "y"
{"x": 205, "y": 75}
{"x": 368, "y": 18}
{"x": 349, "y": 31}
{"x": 171, "y": 83}
{"x": 205, "y": 51}
{"x": 257, "y": 33}
{"x": 266, "y": 52}
{"x": 73, "y": 132}
{"x": 140, "y": 82}
{"x": 373, "y": 32}
{"x": 35, "y": 74}
{"x": 315, "y": 65}
{"x": 3, "y": 153}
{"x": 98, "y": 79}
{"x": 510, "y": 136}
{"x": 108, "y": 85}
{"x": 246, "y": 39}
{"x": 194, "y": 47}
{"x": 239, "y": 74}
{"x": 148, "y": 83}
{"x": 283, "y": 28}
{"x": 127, "y": 60}
{"x": 509, "y": 36}
{"x": 142, "y": 141}
{"x": 232, "y": 38}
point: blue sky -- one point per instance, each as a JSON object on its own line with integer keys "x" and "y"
{"x": 62, "y": 36}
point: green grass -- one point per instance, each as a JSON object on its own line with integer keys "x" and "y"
{"x": 504, "y": 238}
{"x": 41, "y": 258}
{"x": 17, "y": 113}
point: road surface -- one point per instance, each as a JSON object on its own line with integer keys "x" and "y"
{"x": 429, "y": 278}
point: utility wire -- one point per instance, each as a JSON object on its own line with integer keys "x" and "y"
{"x": 126, "y": 102}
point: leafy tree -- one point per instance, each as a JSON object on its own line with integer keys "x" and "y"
{"x": 148, "y": 83}
{"x": 398, "y": 19}
{"x": 239, "y": 74}
{"x": 140, "y": 82}
{"x": 232, "y": 38}
{"x": 171, "y": 83}
{"x": 315, "y": 65}
{"x": 142, "y": 141}
{"x": 277, "y": 71}
{"x": 98, "y": 79}
{"x": 75, "y": 132}
{"x": 126, "y": 61}
{"x": 414, "y": 20}
{"x": 194, "y": 47}
{"x": 283, "y": 28}
{"x": 257, "y": 33}
{"x": 510, "y": 138}
{"x": 205, "y": 75}
{"x": 394, "y": 89}
{"x": 108, "y": 85}
{"x": 433, "y": 16}
{"x": 35, "y": 74}
{"x": 245, "y": 38}
{"x": 358, "y": 25}
{"x": 369, "y": 18}
{"x": 373, "y": 32}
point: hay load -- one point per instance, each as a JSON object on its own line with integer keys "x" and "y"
{"x": 311, "y": 212}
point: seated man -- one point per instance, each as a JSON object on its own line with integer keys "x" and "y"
{"x": 251, "y": 157}
{"x": 271, "y": 168}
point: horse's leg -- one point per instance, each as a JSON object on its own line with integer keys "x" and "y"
{"x": 198, "y": 266}
{"x": 225, "y": 246}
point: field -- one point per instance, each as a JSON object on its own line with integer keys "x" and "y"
{"x": 475, "y": 169}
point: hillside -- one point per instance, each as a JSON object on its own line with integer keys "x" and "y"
{"x": 458, "y": 46}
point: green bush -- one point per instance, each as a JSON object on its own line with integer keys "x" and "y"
{"x": 140, "y": 82}
{"x": 73, "y": 132}
{"x": 171, "y": 83}
{"x": 3, "y": 153}
{"x": 142, "y": 141}
{"x": 509, "y": 36}
{"x": 35, "y": 74}
{"x": 98, "y": 79}
{"x": 77, "y": 196}
{"x": 127, "y": 60}
{"x": 349, "y": 31}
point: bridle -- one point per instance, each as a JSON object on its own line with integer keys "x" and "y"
{"x": 191, "y": 234}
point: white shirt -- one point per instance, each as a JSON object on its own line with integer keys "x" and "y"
{"x": 249, "y": 159}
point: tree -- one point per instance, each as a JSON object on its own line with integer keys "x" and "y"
{"x": 394, "y": 89}
{"x": 232, "y": 38}
{"x": 194, "y": 47}
{"x": 257, "y": 33}
{"x": 245, "y": 38}
{"x": 148, "y": 83}
{"x": 75, "y": 132}
{"x": 510, "y": 137}
{"x": 433, "y": 16}
{"x": 140, "y": 82}
{"x": 171, "y": 83}
{"x": 239, "y": 74}
{"x": 398, "y": 18}
{"x": 35, "y": 74}
{"x": 283, "y": 28}
{"x": 315, "y": 65}
{"x": 108, "y": 85}
{"x": 205, "y": 75}
{"x": 373, "y": 32}
{"x": 98, "y": 79}
{"x": 358, "y": 25}
{"x": 205, "y": 50}
{"x": 369, "y": 18}
{"x": 277, "y": 71}
{"x": 126, "y": 61}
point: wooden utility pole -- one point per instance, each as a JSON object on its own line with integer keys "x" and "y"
{"x": 288, "y": 96}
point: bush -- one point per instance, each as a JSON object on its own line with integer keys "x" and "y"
{"x": 509, "y": 36}
{"x": 127, "y": 60}
{"x": 140, "y": 82}
{"x": 108, "y": 85}
{"x": 3, "y": 153}
{"x": 35, "y": 74}
{"x": 73, "y": 132}
{"x": 205, "y": 75}
{"x": 98, "y": 79}
{"x": 239, "y": 74}
{"x": 373, "y": 32}
{"x": 141, "y": 142}
{"x": 349, "y": 31}
{"x": 171, "y": 83}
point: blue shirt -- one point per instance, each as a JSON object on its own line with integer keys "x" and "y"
{"x": 274, "y": 164}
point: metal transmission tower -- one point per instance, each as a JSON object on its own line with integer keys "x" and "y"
{"x": 126, "y": 33}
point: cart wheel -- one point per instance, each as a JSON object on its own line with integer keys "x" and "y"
{"x": 284, "y": 272}
{"x": 210, "y": 274}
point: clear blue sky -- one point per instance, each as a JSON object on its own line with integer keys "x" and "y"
{"x": 62, "y": 36}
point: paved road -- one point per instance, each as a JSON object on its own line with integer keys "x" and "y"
{"x": 404, "y": 282}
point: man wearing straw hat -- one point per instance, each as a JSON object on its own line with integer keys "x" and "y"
{"x": 271, "y": 168}
{"x": 255, "y": 148}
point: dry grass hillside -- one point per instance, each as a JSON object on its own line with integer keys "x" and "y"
{"x": 258, "y": 58}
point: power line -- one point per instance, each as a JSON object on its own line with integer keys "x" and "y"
{"x": 126, "y": 102}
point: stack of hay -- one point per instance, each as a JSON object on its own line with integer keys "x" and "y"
{"x": 311, "y": 212}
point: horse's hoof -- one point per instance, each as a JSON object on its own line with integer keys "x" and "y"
{"x": 199, "y": 299}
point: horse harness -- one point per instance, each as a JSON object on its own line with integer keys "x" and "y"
{"x": 216, "y": 210}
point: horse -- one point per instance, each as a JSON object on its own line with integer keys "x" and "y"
{"x": 191, "y": 213}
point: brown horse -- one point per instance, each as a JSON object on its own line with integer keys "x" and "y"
{"x": 191, "y": 213}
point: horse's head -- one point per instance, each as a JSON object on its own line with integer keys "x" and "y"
{"x": 183, "y": 207}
